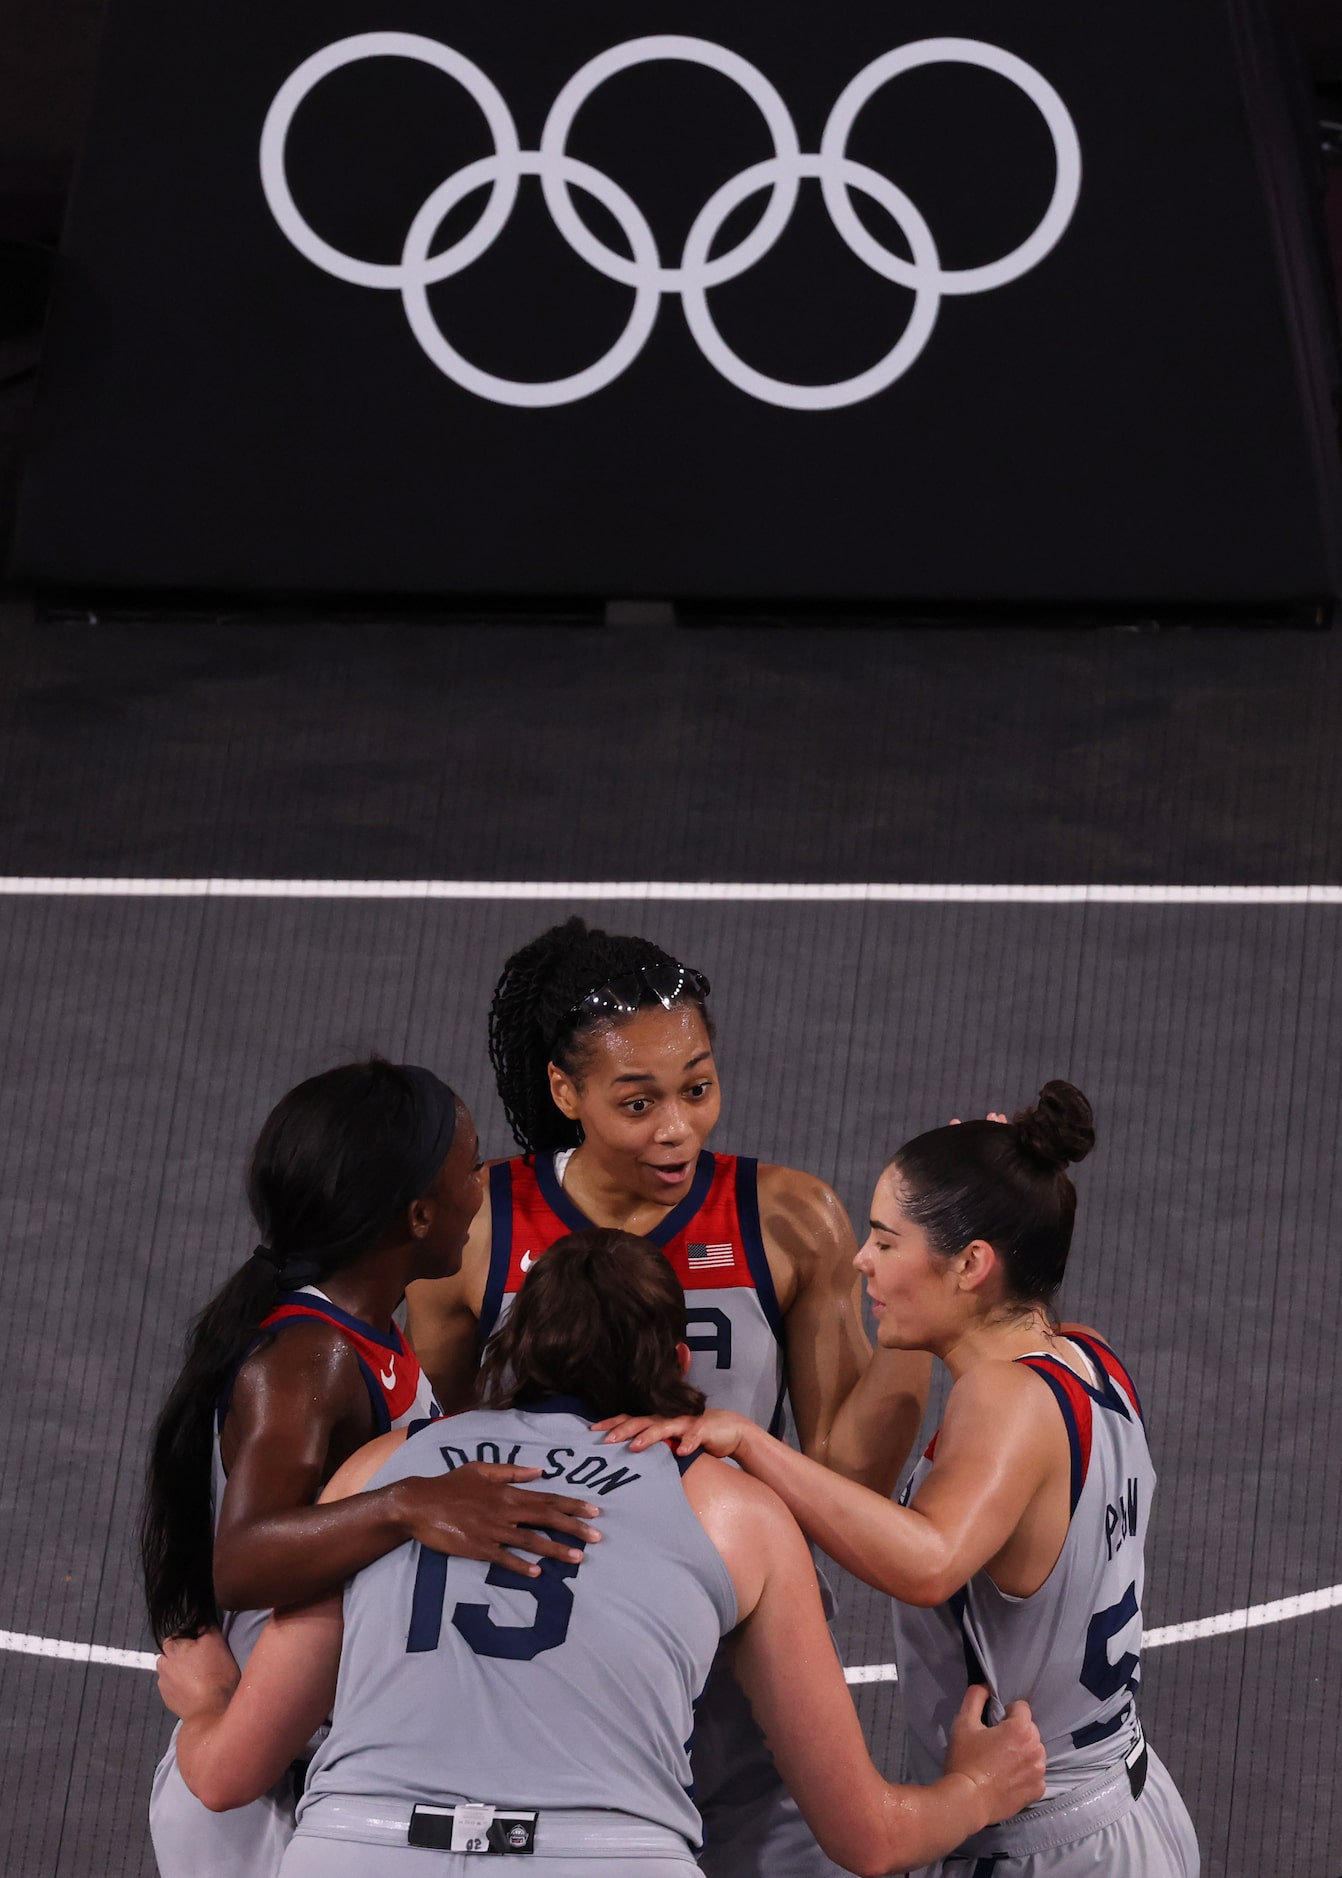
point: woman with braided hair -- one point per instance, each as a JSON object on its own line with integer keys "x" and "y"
{"x": 362, "y": 1179}
{"x": 603, "y": 1052}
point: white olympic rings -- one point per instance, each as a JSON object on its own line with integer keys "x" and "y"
{"x": 699, "y": 270}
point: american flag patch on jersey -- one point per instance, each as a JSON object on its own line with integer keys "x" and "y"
{"x": 702, "y": 1255}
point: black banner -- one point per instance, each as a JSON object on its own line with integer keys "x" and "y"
{"x": 949, "y": 301}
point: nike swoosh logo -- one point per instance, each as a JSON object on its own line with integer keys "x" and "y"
{"x": 388, "y": 1375}
{"x": 528, "y": 1260}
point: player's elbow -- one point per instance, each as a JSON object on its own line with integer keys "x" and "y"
{"x": 217, "y": 1790}
{"x": 864, "y": 1853}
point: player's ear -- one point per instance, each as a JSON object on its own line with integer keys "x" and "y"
{"x": 978, "y": 1263}
{"x": 683, "y": 1358}
{"x": 563, "y": 1090}
{"x": 421, "y": 1216}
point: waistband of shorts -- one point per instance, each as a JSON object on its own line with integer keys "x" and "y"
{"x": 1067, "y": 1817}
{"x": 561, "y": 1832}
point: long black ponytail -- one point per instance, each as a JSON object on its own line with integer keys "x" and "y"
{"x": 536, "y": 1018}
{"x": 336, "y": 1159}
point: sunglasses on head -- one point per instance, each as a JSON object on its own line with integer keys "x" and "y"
{"x": 631, "y": 991}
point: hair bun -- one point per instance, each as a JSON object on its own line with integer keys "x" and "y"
{"x": 1059, "y": 1128}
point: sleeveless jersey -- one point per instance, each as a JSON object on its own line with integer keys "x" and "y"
{"x": 465, "y": 1681}
{"x": 398, "y": 1392}
{"x": 189, "y": 1841}
{"x": 713, "y": 1240}
{"x": 1072, "y": 1650}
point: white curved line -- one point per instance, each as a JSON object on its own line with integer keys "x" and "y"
{"x": 1252, "y": 1617}
{"x": 214, "y": 887}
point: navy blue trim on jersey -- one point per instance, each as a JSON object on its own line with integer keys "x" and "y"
{"x": 552, "y": 1192}
{"x": 558, "y": 1405}
{"x": 381, "y": 1413}
{"x": 1069, "y": 1422}
{"x": 958, "y": 1604}
{"x": 323, "y": 1307}
{"x": 559, "y": 1203}
{"x": 1111, "y": 1398}
{"x": 500, "y": 1246}
{"x": 752, "y": 1238}
{"x": 685, "y": 1462}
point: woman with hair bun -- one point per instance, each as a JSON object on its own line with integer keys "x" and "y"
{"x": 362, "y": 1179}
{"x": 1016, "y": 1553}
{"x": 603, "y": 1051}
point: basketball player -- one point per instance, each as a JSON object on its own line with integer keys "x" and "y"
{"x": 479, "y": 1711}
{"x": 1017, "y": 1556}
{"x": 362, "y": 1179}
{"x": 603, "y": 1053}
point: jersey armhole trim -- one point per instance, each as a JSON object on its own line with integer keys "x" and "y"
{"x": 752, "y": 1239}
{"x": 1073, "y": 1399}
{"x": 1112, "y": 1368}
{"x": 500, "y": 1246}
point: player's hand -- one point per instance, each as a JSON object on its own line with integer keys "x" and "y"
{"x": 196, "y": 1674}
{"x": 993, "y": 1116}
{"x": 1006, "y": 1763}
{"x": 478, "y": 1511}
{"x": 716, "y": 1431}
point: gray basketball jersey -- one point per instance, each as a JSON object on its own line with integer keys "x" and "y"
{"x": 1073, "y": 1649}
{"x": 711, "y": 1239}
{"x": 464, "y": 1681}
{"x": 189, "y": 1841}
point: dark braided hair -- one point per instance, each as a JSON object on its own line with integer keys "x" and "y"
{"x": 533, "y": 1021}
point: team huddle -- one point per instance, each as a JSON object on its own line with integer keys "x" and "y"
{"x": 531, "y": 1575}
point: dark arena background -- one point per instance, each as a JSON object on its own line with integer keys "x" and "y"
{"x": 458, "y": 472}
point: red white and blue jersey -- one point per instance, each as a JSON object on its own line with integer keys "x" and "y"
{"x": 1073, "y": 1649}
{"x": 398, "y": 1390}
{"x": 398, "y": 1393}
{"x": 713, "y": 1241}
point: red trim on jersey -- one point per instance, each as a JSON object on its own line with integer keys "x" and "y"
{"x": 929, "y": 1452}
{"x": 1074, "y": 1399}
{"x": 1114, "y": 1368}
{"x": 716, "y": 1226}
{"x": 382, "y": 1357}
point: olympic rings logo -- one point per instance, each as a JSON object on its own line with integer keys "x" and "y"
{"x": 642, "y": 270}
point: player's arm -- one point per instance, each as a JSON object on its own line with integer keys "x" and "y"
{"x": 784, "y": 1658}
{"x": 998, "y": 1444}
{"x": 292, "y": 1410}
{"x": 239, "y": 1734}
{"x": 857, "y": 1410}
{"x": 443, "y": 1320}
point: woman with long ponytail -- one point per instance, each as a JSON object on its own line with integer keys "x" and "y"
{"x": 362, "y": 1179}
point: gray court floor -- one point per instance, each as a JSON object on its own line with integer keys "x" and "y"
{"x": 146, "y": 1037}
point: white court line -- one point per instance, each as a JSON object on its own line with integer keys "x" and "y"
{"x": 1252, "y": 1617}
{"x": 131, "y": 887}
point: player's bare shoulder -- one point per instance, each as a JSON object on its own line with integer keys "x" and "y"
{"x": 804, "y": 1223}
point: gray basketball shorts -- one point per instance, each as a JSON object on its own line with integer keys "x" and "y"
{"x": 192, "y": 1842}
{"x": 1155, "y": 1839}
{"x": 312, "y": 1857}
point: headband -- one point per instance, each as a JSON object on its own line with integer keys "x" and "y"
{"x": 433, "y": 1128}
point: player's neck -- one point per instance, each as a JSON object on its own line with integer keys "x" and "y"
{"x": 989, "y": 1341}
{"x": 370, "y": 1288}
{"x": 607, "y": 1201}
